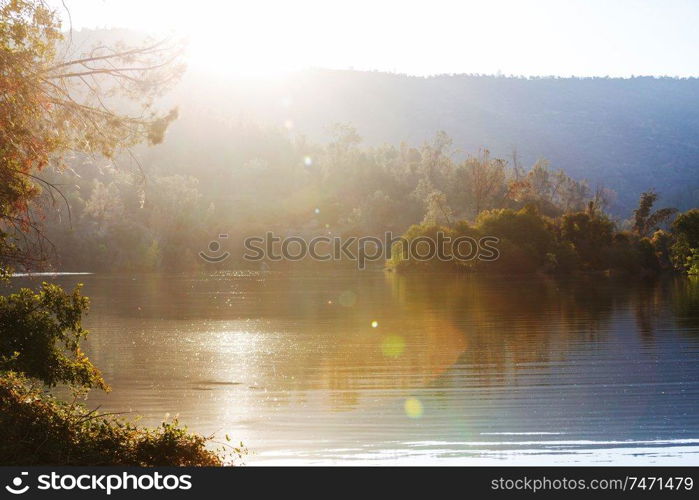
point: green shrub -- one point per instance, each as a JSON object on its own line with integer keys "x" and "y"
{"x": 622, "y": 255}
{"x": 693, "y": 263}
{"x": 525, "y": 239}
{"x": 563, "y": 258}
{"x": 40, "y": 335}
{"x": 586, "y": 241}
{"x": 401, "y": 260}
{"x": 686, "y": 231}
{"x": 662, "y": 243}
{"x": 590, "y": 235}
{"x": 38, "y": 429}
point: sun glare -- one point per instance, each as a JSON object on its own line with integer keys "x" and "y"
{"x": 240, "y": 42}
{"x": 267, "y": 37}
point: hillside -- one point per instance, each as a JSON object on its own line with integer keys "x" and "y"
{"x": 626, "y": 134}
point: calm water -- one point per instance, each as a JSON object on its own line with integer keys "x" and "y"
{"x": 456, "y": 370}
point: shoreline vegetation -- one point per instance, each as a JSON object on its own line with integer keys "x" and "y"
{"x": 40, "y": 336}
{"x": 586, "y": 241}
{"x": 43, "y": 430}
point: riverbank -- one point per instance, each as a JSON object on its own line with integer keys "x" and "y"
{"x": 42, "y": 430}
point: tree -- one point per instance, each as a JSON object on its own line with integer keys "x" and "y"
{"x": 693, "y": 263}
{"x": 482, "y": 181}
{"x": 662, "y": 244}
{"x": 40, "y": 335}
{"x": 602, "y": 199}
{"x": 51, "y": 104}
{"x": 438, "y": 211}
{"x": 645, "y": 221}
{"x": 685, "y": 228}
{"x": 104, "y": 204}
{"x": 590, "y": 234}
{"x": 436, "y": 158}
{"x": 525, "y": 239}
{"x": 552, "y": 192}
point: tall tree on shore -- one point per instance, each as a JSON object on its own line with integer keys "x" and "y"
{"x": 54, "y": 102}
{"x": 483, "y": 181}
{"x": 645, "y": 221}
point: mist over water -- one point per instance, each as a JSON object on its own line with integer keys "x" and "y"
{"x": 373, "y": 367}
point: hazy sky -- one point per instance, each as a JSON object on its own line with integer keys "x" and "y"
{"x": 523, "y": 37}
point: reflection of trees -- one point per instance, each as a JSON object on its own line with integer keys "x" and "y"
{"x": 512, "y": 323}
{"x": 293, "y": 340}
{"x": 685, "y": 303}
{"x": 652, "y": 298}
{"x": 648, "y": 297}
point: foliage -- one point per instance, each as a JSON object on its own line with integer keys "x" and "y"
{"x": 524, "y": 235}
{"x": 686, "y": 231}
{"x": 524, "y": 242}
{"x": 38, "y": 429}
{"x": 662, "y": 242}
{"x": 693, "y": 262}
{"x": 645, "y": 221}
{"x": 552, "y": 192}
{"x": 686, "y": 227}
{"x": 301, "y": 188}
{"x": 359, "y": 191}
{"x": 438, "y": 210}
{"x": 403, "y": 260}
{"x": 40, "y": 335}
{"x": 52, "y": 103}
{"x": 580, "y": 241}
{"x": 481, "y": 182}
{"x": 590, "y": 235}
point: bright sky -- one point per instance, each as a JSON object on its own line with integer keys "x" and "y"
{"x": 522, "y": 37}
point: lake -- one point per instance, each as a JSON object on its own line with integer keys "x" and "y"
{"x": 377, "y": 368}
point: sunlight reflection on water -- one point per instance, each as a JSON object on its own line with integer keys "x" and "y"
{"x": 427, "y": 369}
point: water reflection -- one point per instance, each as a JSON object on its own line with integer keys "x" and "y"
{"x": 371, "y": 366}
{"x": 685, "y": 304}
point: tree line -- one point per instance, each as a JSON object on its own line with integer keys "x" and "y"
{"x": 121, "y": 221}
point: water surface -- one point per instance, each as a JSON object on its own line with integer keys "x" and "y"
{"x": 350, "y": 368}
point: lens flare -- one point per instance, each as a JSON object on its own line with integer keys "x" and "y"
{"x": 393, "y": 346}
{"x": 413, "y": 408}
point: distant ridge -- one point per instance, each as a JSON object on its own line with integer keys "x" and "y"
{"x": 628, "y": 134}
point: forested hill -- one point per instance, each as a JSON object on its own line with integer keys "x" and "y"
{"x": 627, "y": 134}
